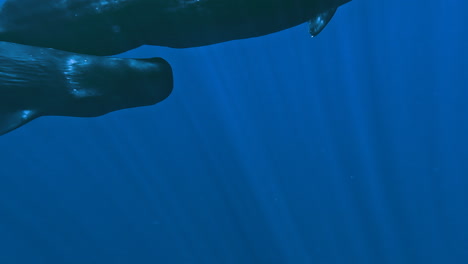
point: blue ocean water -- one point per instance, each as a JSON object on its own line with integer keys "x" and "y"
{"x": 351, "y": 147}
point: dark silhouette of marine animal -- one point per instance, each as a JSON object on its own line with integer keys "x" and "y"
{"x": 47, "y": 73}
{"x": 38, "y": 82}
{"x": 108, "y": 27}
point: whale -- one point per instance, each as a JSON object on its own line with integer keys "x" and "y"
{"x": 37, "y": 81}
{"x": 109, "y": 27}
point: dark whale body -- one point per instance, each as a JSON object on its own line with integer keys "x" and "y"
{"x": 37, "y": 81}
{"x": 107, "y": 27}
{"x": 40, "y": 81}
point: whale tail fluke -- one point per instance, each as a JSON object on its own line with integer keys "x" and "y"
{"x": 13, "y": 120}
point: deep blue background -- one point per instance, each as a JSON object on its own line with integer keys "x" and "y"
{"x": 351, "y": 147}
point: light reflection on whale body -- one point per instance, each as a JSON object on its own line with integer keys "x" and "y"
{"x": 38, "y": 81}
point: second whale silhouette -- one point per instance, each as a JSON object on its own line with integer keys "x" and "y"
{"x": 38, "y": 81}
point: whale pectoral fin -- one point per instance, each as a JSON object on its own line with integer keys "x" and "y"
{"x": 318, "y": 22}
{"x": 13, "y": 120}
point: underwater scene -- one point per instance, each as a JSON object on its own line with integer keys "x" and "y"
{"x": 233, "y": 131}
